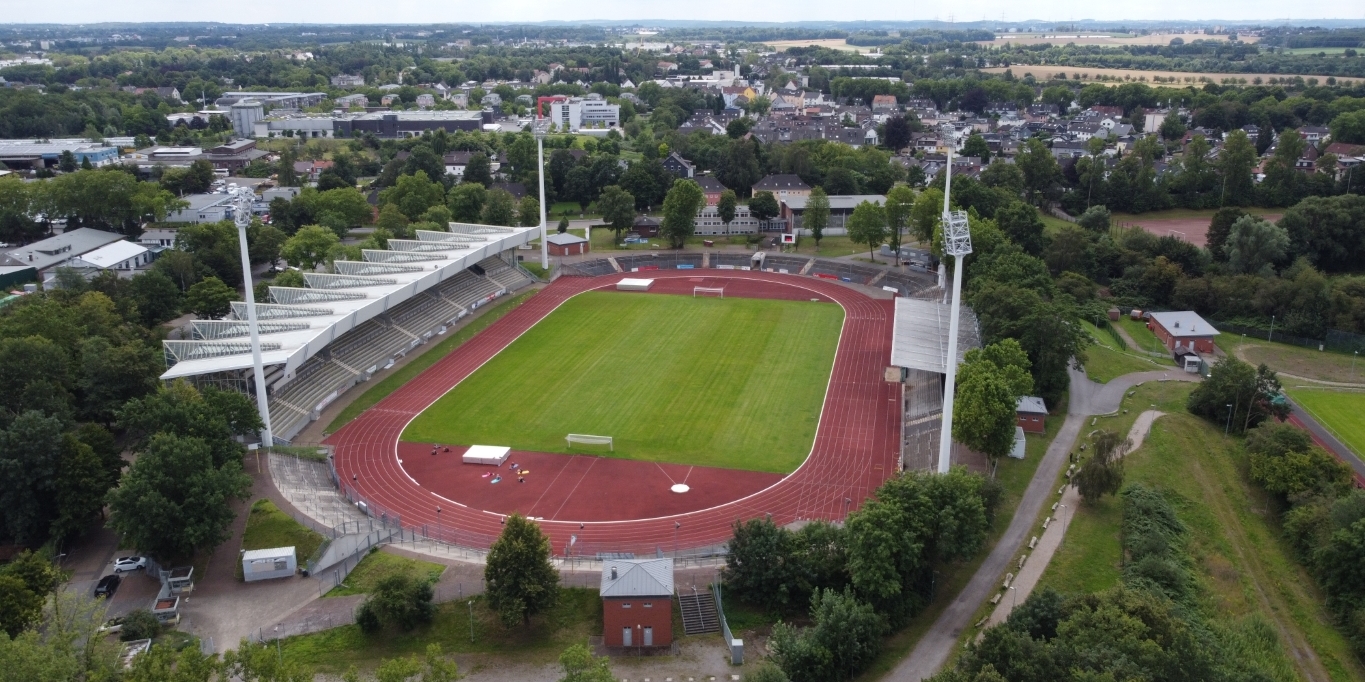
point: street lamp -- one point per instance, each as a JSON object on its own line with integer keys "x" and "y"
{"x": 439, "y": 536}
{"x": 1229, "y": 424}
{"x": 1014, "y": 597}
{"x": 540, "y": 132}
{"x": 847, "y": 502}
{"x": 242, "y": 217}
{"x": 676, "y": 526}
{"x": 957, "y": 242}
{"x": 471, "y": 620}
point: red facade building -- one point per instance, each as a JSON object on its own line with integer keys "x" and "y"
{"x": 1183, "y": 330}
{"x": 637, "y": 602}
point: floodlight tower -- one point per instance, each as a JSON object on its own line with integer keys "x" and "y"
{"x": 539, "y": 130}
{"x": 242, "y": 217}
{"x": 957, "y": 242}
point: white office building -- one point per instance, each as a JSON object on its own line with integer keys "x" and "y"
{"x": 585, "y": 112}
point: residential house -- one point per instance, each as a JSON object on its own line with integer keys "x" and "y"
{"x": 348, "y": 81}
{"x": 783, "y": 186}
{"x": 1183, "y": 329}
{"x": 711, "y": 187}
{"x": 679, "y": 166}
{"x": 49, "y": 254}
{"x": 884, "y": 104}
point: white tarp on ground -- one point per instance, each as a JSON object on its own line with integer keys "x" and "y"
{"x": 634, "y": 284}
{"x": 486, "y": 454}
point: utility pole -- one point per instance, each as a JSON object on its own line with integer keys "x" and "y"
{"x": 957, "y": 242}
{"x": 540, "y": 133}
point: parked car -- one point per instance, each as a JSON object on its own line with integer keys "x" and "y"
{"x": 107, "y": 586}
{"x": 130, "y": 563}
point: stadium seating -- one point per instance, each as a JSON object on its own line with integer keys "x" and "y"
{"x": 372, "y": 343}
{"x": 506, "y": 276}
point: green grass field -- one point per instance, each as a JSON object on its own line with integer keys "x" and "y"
{"x": 1245, "y": 567}
{"x": 1339, "y": 411}
{"x": 735, "y": 383}
{"x": 377, "y": 566}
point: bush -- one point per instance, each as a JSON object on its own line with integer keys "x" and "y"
{"x": 401, "y": 600}
{"x": 140, "y": 624}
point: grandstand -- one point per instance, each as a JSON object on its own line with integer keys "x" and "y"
{"x": 318, "y": 341}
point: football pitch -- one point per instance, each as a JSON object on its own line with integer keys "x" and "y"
{"x": 1339, "y": 411}
{"x": 735, "y": 383}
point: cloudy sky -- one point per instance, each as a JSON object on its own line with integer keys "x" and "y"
{"x": 431, "y": 11}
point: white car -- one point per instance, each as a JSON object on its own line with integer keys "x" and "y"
{"x": 129, "y": 563}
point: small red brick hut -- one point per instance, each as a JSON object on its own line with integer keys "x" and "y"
{"x": 1030, "y": 413}
{"x": 637, "y": 602}
{"x": 565, "y": 244}
{"x": 1184, "y": 330}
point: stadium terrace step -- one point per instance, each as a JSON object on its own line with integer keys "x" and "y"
{"x": 698, "y": 612}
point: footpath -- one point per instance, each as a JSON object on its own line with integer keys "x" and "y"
{"x": 1088, "y": 399}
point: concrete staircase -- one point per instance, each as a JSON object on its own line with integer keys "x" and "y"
{"x": 698, "y": 612}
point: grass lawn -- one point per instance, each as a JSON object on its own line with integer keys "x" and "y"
{"x": 1146, "y": 340}
{"x": 381, "y": 389}
{"x": 603, "y": 239}
{"x": 833, "y": 246}
{"x": 1297, "y": 360}
{"x": 576, "y": 616}
{"x": 1244, "y": 566}
{"x": 1104, "y": 364}
{"x": 1339, "y": 411}
{"x": 267, "y": 527}
{"x": 377, "y": 566}
{"x": 732, "y": 382}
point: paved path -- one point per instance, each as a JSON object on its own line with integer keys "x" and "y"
{"x": 1051, "y": 539}
{"x": 1087, "y": 398}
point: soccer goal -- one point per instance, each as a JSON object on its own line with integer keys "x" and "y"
{"x": 718, "y": 292}
{"x": 585, "y": 439}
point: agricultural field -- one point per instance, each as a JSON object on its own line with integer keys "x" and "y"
{"x": 831, "y": 43}
{"x": 1101, "y": 38}
{"x": 736, "y": 383}
{"x": 1180, "y": 78}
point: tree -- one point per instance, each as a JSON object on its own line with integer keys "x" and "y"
{"x": 1021, "y": 223}
{"x": 1250, "y": 391}
{"x": 1040, "y": 170}
{"x": 466, "y": 202}
{"x": 156, "y": 296}
{"x": 309, "y": 247}
{"x": 580, "y": 665}
{"x": 867, "y": 226}
{"x": 528, "y": 211}
{"x": 896, "y": 135}
{"x": 618, "y": 210}
{"x": 984, "y": 409}
{"x": 500, "y": 208}
{"x": 760, "y": 567}
{"x": 1254, "y": 246}
{"x": 763, "y": 207}
{"x": 413, "y": 194}
{"x": 1172, "y": 128}
{"x": 1006, "y": 176}
{"x": 393, "y": 220}
{"x": 287, "y": 177}
{"x": 1234, "y": 165}
{"x": 900, "y": 205}
{"x": 1102, "y": 472}
{"x": 1096, "y": 219}
{"x": 403, "y": 600}
{"x": 210, "y": 299}
{"x": 816, "y": 216}
{"x": 976, "y": 146}
{"x": 925, "y": 214}
{"x": 1349, "y": 127}
{"x": 680, "y": 209}
{"x": 520, "y": 581}
{"x": 175, "y": 500}
{"x": 845, "y": 638}
{"x": 739, "y": 127}
{"x": 726, "y": 207}
{"x": 1327, "y": 231}
{"x": 478, "y": 170}
{"x": 563, "y": 225}
{"x": 739, "y": 168}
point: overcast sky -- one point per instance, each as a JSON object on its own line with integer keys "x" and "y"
{"x": 467, "y": 11}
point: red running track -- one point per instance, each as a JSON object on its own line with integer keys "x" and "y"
{"x": 855, "y": 446}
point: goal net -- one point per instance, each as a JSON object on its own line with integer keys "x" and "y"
{"x": 718, "y": 292}
{"x": 585, "y": 439}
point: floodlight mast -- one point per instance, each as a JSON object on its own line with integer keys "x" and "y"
{"x": 957, "y": 242}
{"x": 539, "y": 130}
{"x": 242, "y": 217}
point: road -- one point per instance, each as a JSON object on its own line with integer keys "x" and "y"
{"x": 1087, "y": 398}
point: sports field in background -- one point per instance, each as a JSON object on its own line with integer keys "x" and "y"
{"x": 735, "y": 382}
{"x": 1339, "y": 411}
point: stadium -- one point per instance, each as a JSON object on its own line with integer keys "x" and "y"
{"x": 634, "y": 405}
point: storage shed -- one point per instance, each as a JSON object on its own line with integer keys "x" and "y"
{"x": 264, "y": 564}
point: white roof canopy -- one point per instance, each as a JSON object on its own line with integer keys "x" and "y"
{"x": 333, "y": 305}
{"x": 920, "y": 338}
